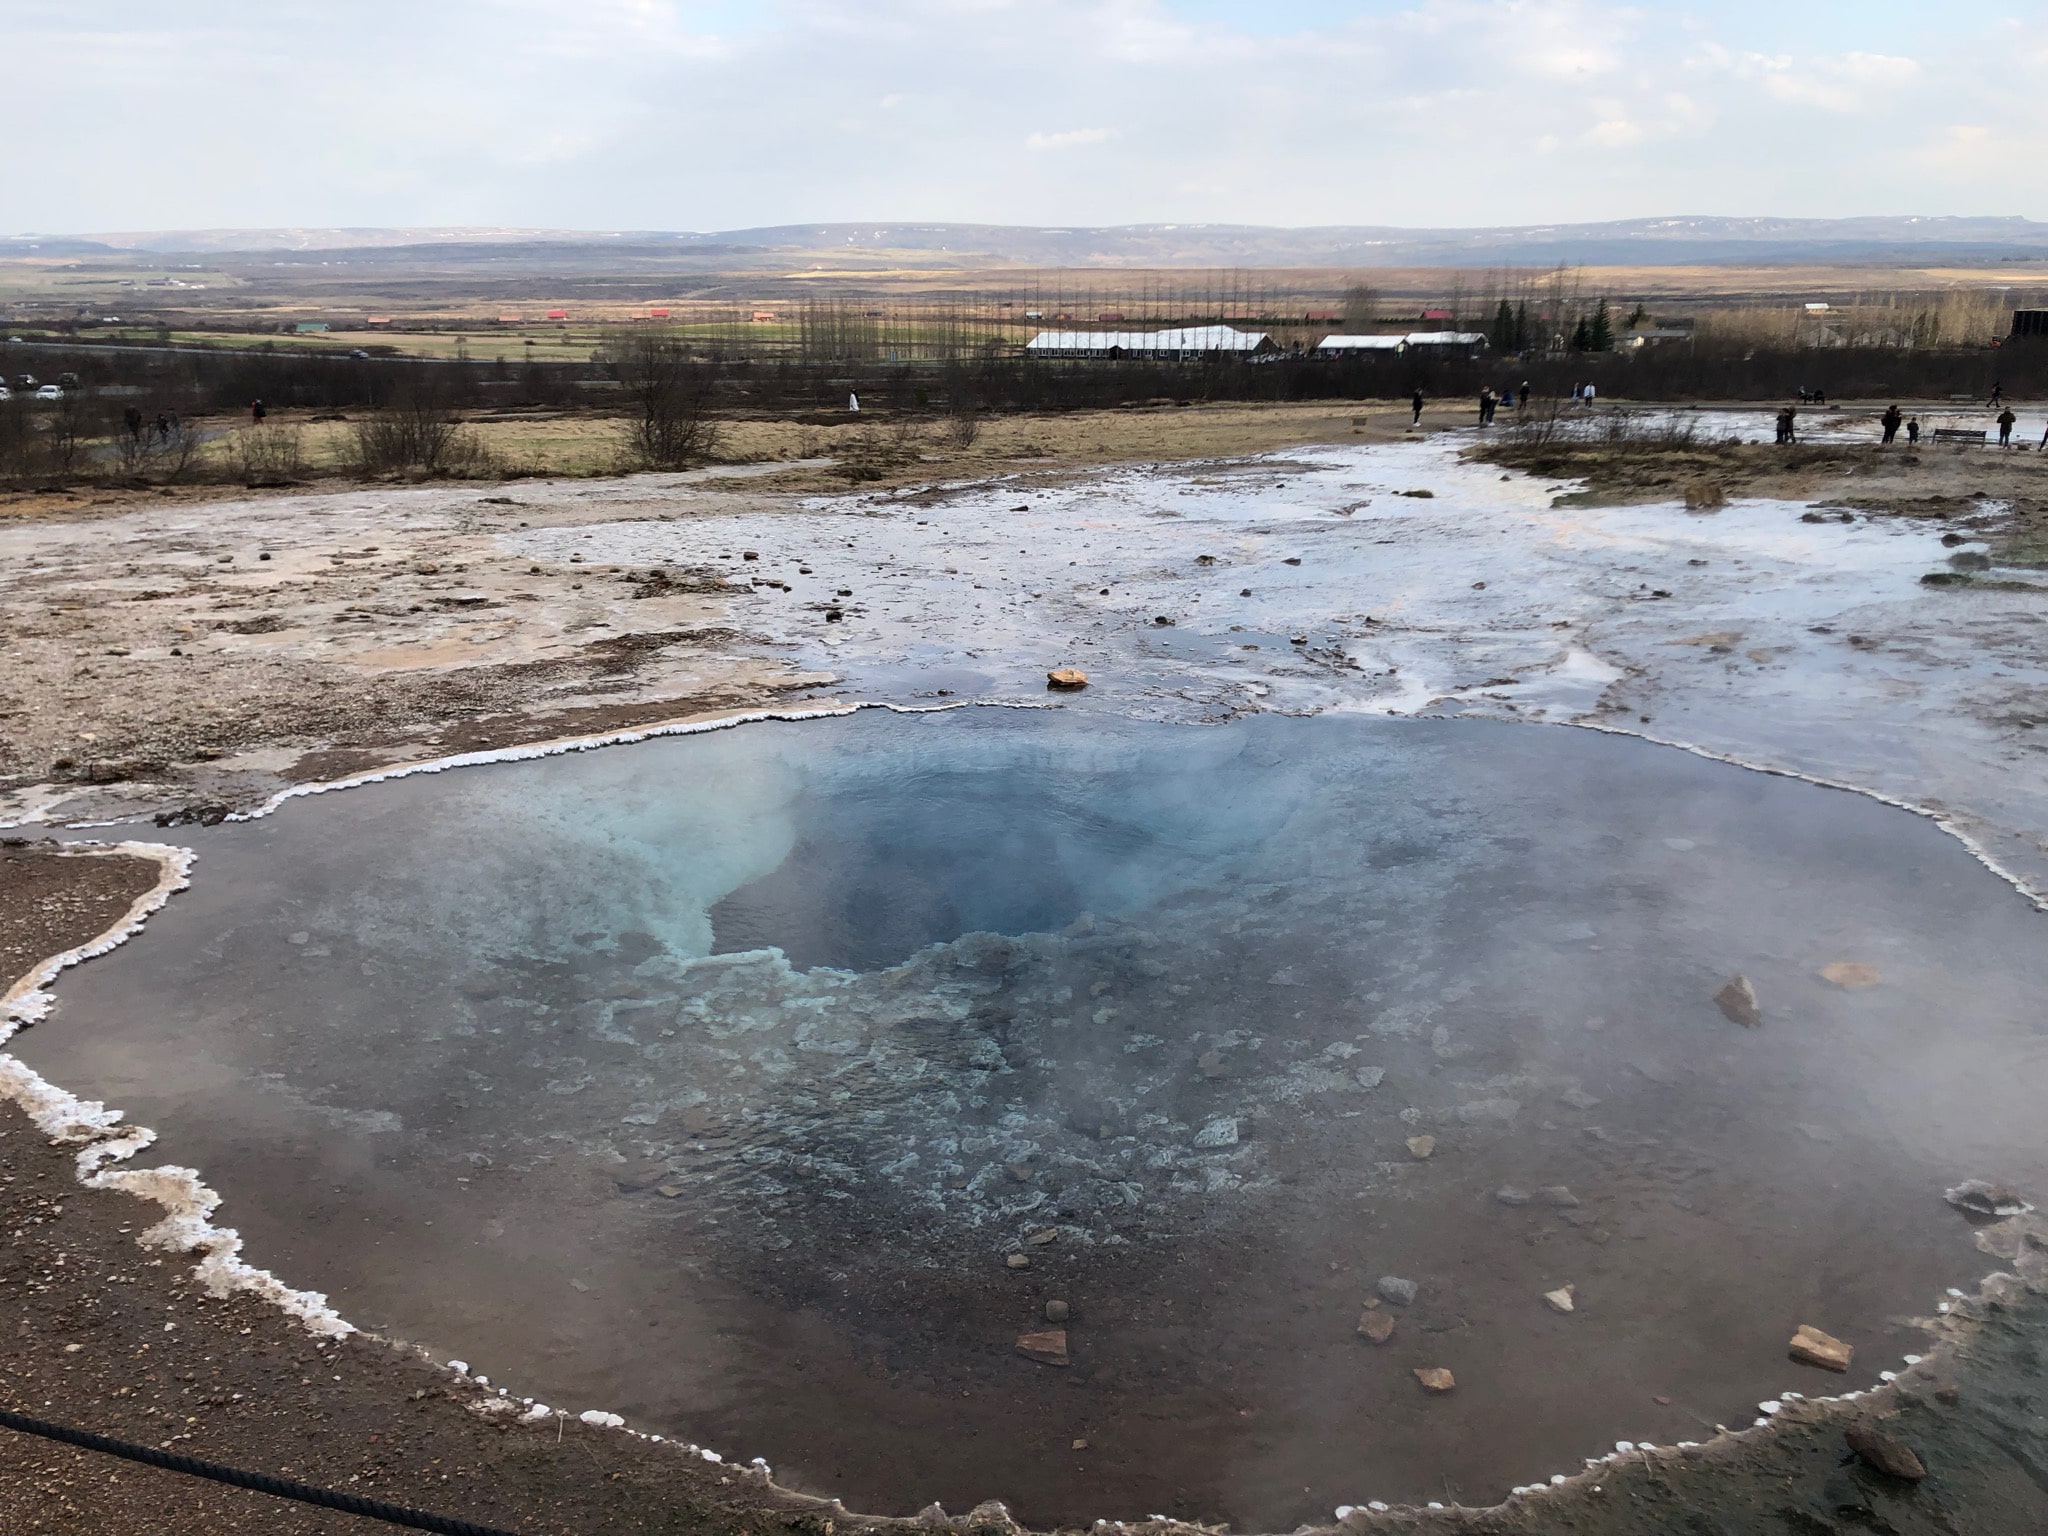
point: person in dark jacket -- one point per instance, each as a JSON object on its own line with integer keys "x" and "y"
{"x": 1890, "y": 420}
{"x": 1417, "y": 403}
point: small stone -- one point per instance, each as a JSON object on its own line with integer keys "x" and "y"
{"x": 1560, "y": 1300}
{"x": 1400, "y": 1292}
{"x": 1737, "y": 1002}
{"x": 1057, "y": 1312}
{"x": 1017, "y": 1260}
{"x": 1042, "y": 1236}
{"x": 1210, "y": 1064}
{"x": 670, "y": 1190}
{"x": 1508, "y": 1195}
{"x": 1069, "y": 679}
{"x": 1812, "y": 1347}
{"x": 1884, "y": 1453}
{"x": 1377, "y": 1327}
{"x": 1435, "y": 1378}
{"x": 1850, "y": 974}
{"x": 1419, "y": 1147}
{"x": 1021, "y": 1172}
{"x": 1557, "y": 1197}
{"x": 1079, "y": 1445}
{"x": 1047, "y": 1347}
{"x": 1218, "y": 1133}
{"x": 1370, "y": 1077}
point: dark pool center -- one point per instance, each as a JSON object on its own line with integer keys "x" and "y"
{"x": 721, "y": 1080}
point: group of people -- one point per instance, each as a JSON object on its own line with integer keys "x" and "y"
{"x": 162, "y": 430}
{"x": 1490, "y": 403}
{"x": 1890, "y": 421}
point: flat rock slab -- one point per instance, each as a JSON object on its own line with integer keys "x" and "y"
{"x": 1435, "y": 1378}
{"x": 1376, "y": 1327}
{"x": 1810, "y": 1346}
{"x": 1048, "y": 1346}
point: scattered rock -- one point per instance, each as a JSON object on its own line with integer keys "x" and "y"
{"x": 1560, "y": 1300}
{"x": 1057, "y": 1312}
{"x": 1435, "y": 1378}
{"x": 1211, "y": 1065}
{"x": 1218, "y": 1133}
{"x": 1079, "y": 1445}
{"x": 1884, "y": 1453}
{"x": 1850, "y": 974}
{"x": 1704, "y": 496}
{"x": 1161, "y": 621}
{"x": 1377, "y": 1327}
{"x": 1400, "y": 1292}
{"x": 1042, "y": 1236}
{"x": 1557, "y": 1197}
{"x": 1017, "y": 1260}
{"x": 1021, "y": 1172}
{"x": 1292, "y": 560}
{"x": 1737, "y": 1002}
{"x": 1813, "y": 517}
{"x": 745, "y": 554}
{"x": 1507, "y": 1194}
{"x": 1420, "y": 495}
{"x": 1066, "y": 678}
{"x": 1047, "y": 1347}
{"x": 1370, "y": 1077}
{"x": 1810, "y": 1346}
{"x": 1419, "y": 1147}
{"x": 1953, "y": 539}
{"x": 1982, "y": 1199}
{"x": 1970, "y": 560}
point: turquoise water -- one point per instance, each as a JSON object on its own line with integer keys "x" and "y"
{"x": 715, "y": 1080}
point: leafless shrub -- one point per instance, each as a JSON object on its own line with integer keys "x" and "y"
{"x": 671, "y": 395}
{"x": 417, "y": 434}
{"x": 268, "y": 454}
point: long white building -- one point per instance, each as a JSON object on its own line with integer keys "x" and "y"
{"x": 1191, "y": 341}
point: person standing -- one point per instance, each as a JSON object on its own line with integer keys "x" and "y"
{"x": 2005, "y": 424}
{"x": 1522, "y": 396}
{"x": 1591, "y": 391}
{"x": 256, "y": 413}
{"x": 1997, "y": 393}
{"x": 1912, "y": 431}
{"x": 1417, "y": 404}
{"x": 1890, "y": 421}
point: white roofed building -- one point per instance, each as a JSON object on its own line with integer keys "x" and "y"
{"x": 1191, "y": 341}
{"x": 1362, "y": 344}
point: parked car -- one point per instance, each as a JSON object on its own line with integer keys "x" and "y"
{"x": 49, "y": 392}
{"x": 6, "y": 393}
{"x": 24, "y": 381}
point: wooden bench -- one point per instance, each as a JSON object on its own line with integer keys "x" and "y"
{"x": 1959, "y": 434}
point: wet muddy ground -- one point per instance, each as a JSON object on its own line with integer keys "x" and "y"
{"x": 1222, "y": 1031}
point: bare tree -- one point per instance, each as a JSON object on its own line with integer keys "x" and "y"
{"x": 671, "y": 394}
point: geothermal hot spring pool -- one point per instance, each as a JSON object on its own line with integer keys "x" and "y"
{"x": 717, "y": 1080}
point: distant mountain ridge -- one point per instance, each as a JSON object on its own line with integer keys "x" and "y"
{"x": 1668, "y": 241}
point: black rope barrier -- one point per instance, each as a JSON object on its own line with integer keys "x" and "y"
{"x": 256, "y": 1482}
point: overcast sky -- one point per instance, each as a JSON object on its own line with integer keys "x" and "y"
{"x": 718, "y": 114}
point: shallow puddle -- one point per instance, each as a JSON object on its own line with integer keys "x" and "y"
{"x": 722, "y": 1081}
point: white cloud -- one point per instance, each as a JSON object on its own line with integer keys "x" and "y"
{"x": 712, "y": 114}
{"x": 1069, "y": 138}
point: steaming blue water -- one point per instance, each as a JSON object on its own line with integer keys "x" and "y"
{"x": 713, "y": 1080}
